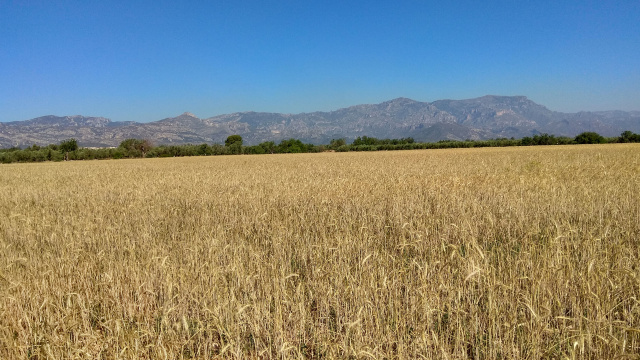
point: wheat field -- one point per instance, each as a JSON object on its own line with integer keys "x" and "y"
{"x": 493, "y": 253}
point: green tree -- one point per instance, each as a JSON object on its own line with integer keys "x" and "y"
{"x": 268, "y": 146}
{"x": 68, "y": 146}
{"x": 233, "y": 139}
{"x": 135, "y": 147}
{"x": 589, "y": 138}
{"x": 291, "y": 146}
{"x": 365, "y": 140}
{"x": 255, "y": 149}
{"x": 336, "y": 143}
{"x": 204, "y": 149}
{"x": 628, "y": 136}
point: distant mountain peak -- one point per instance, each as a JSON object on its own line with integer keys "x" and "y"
{"x": 500, "y": 98}
{"x": 73, "y": 120}
{"x": 402, "y": 100}
{"x": 186, "y": 113}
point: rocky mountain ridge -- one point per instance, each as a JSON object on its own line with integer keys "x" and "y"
{"x": 480, "y": 118}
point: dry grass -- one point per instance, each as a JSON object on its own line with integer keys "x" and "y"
{"x": 465, "y": 253}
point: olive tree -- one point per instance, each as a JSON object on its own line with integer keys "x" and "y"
{"x": 68, "y": 146}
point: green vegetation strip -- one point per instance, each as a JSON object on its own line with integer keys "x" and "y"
{"x": 141, "y": 148}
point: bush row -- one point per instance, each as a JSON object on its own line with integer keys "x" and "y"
{"x": 137, "y": 148}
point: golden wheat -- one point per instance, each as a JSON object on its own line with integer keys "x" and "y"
{"x": 464, "y": 253}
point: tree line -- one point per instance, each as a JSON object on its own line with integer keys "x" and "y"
{"x": 141, "y": 148}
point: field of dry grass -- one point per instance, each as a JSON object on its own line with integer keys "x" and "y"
{"x": 500, "y": 253}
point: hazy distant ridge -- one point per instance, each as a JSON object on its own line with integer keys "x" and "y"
{"x": 480, "y": 118}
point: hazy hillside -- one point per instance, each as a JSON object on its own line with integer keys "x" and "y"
{"x": 481, "y": 118}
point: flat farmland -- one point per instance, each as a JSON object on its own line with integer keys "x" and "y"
{"x": 512, "y": 253}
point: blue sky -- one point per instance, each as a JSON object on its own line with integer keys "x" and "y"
{"x": 147, "y": 60}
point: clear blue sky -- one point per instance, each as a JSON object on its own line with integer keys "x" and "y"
{"x": 147, "y": 60}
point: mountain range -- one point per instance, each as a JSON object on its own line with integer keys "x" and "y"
{"x": 481, "y": 118}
